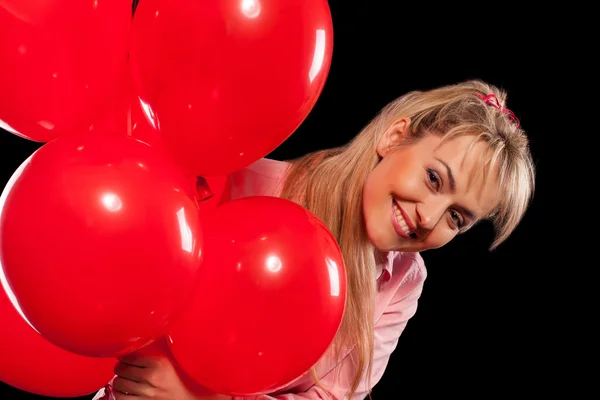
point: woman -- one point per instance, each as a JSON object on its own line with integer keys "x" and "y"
{"x": 430, "y": 166}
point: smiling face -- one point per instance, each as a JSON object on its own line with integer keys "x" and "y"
{"x": 421, "y": 195}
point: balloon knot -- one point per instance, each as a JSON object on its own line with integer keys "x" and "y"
{"x": 202, "y": 189}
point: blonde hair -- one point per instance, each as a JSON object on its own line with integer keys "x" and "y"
{"x": 330, "y": 183}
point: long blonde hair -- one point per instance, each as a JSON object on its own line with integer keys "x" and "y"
{"x": 330, "y": 184}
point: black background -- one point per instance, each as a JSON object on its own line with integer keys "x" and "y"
{"x": 481, "y": 328}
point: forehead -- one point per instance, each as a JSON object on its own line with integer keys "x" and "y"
{"x": 476, "y": 179}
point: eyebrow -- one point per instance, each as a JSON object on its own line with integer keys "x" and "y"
{"x": 449, "y": 173}
{"x": 469, "y": 213}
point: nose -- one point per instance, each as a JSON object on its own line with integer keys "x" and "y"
{"x": 430, "y": 213}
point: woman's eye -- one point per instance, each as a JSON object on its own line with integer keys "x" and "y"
{"x": 433, "y": 178}
{"x": 456, "y": 218}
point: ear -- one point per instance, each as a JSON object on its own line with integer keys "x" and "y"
{"x": 392, "y": 136}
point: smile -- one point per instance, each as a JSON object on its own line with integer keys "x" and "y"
{"x": 400, "y": 225}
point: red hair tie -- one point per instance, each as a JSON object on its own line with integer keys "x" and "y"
{"x": 493, "y": 101}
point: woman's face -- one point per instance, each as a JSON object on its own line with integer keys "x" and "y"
{"x": 421, "y": 195}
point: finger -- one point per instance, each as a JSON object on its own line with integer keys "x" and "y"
{"x": 130, "y": 372}
{"x": 112, "y": 394}
{"x": 131, "y": 388}
{"x": 137, "y": 360}
{"x": 122, "y": 396}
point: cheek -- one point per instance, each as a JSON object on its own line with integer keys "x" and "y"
{"x": 372, "y": 188}
{"x": 403, "y": 179}
{"x": 374, "y": 196}
{"x": 367, "y": 200}
{"x": 367, "y": 193}
{"x": 439, "y": 237}
{"x": 411, "y": 185}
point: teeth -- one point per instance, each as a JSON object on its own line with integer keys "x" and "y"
{"x": 401, "y": 220}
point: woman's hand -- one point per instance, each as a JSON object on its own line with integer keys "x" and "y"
{"x": 155, "y": 377}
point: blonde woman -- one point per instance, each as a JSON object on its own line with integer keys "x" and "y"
{"x": 430, "y": 166}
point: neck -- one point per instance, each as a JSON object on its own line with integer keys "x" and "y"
{"x": 380, "y": 256}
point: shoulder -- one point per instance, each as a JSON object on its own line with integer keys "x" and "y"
{"x": 409, "y": 273}
{"x": 399, "y": 298}
{"x": 268, "y": 167}
{"x": 413, "y": 263}
{"x": 264, "y": 177}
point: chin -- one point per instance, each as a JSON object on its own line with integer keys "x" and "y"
{"x": 380, "y": 240}
{"x": 385, "y": 243}
{"x": 382, "y": 236}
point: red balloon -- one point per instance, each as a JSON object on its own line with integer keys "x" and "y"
{"x": 230, "y": 80}
{"x": 269, "y": 300}
{"x": 100, "y": 242}
{"x": 128, "y": 114}
{"x": 143, "y": 122}
{"x": 216, "y": 185}
{"x": 61, "y": 59}
{"x": 31, "y": 363}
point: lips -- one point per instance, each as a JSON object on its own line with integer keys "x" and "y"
{"x": 412, "y": 228}
{"x": 401, "y": 222}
